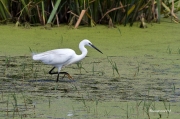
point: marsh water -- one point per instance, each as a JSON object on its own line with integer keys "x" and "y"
{"x": 137, "y": 77}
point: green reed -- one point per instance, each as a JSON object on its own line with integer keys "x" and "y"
{"x": 114, "y": 66}
{"x": 23, "y": 67}
{"x": 169, "y": 50}
{"x": 80, "y": 66}
{"x": 15, "y": 105}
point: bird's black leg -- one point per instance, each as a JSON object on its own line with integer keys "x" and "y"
{"x": 50, "y": 72}
{"x": 57, "y": 77}
{"x": 65, "y": 73}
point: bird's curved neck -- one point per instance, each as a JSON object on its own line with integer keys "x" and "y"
{"x": 83, "y": 50}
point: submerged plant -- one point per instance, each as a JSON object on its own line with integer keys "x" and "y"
{"x": 7, "y": 63}
{"x": 101, "y": 72}
{"x": 127, "y": 112}
{"x": 33, "y": 70}
{"x": 35, "y": 73}
{"x": 168, "y": 109}
{"x": 114, "y": 66}
{"x": 93, "y": 69}
{"x": 169, "y": 50}
{"x": 178, "y": 50}
{"x": 7, "y": 106}
{"x": 137, "y": 107}
{"x": 147, "y": 104}
{"x": 15, "y": 105}
{"x": 96, "y": 110}
{"x": 138, "y": 68}
{"x": 25, "y": 104}
{"x": 80, "y": 66}
{"x": 87, "y": 107}
{"x": 147, "y": 107}
{"x": 173, "y": 88}
{"x": 23, "y": 66}
{"x": 119, "y": 30}
{"x": 49, "y": 100}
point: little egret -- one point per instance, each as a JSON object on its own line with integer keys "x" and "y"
{"x": 63, "y": 57}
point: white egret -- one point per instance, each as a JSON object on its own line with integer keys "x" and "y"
{"x": 63, "y": 57}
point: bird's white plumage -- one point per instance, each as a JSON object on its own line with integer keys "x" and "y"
{"x": 62, "y": 57}
{"x": 55, "y": 57}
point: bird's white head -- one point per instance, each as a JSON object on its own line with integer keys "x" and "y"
{"x": 88, "y": 43}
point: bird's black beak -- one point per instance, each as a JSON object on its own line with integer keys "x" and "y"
{"x": 95, "y": 47}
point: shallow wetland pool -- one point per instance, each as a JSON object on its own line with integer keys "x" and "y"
{"x": 97, "y": 91}
{"x": 139, "y": 79}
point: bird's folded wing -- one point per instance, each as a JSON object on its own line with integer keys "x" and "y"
{"x": 53, "y": 57}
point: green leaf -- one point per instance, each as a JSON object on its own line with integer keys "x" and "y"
{"x": 54, "y": 11}
{"x": 159, "y": 10}
{"x": 131, "y": 10}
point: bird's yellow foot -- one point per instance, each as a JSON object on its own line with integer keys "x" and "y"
{"x": 69, "y": 76}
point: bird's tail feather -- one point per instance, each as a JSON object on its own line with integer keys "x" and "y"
{"x": 38, "y": 56}
{"x": 35, "y": 56}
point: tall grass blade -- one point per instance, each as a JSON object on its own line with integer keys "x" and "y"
{"x": 159, "y": 10}
{"x": 53, "y": 11}
{"x": 136, "y": 11}
{"x": 3, "y": 14}
{"x": 7, "y": 106}
{"x": 119, "y": 30}
{"x": 114, "y": 66}
{"x": 24, "y": 100}
{"x": 93, "y": 69}
{"x": 43, "y": 11}
{"x": 60, "y": 9}
{"x": 57, "y": 19}
{"x": 4, "y": 4}
{"x": 25, "y": 7}
{"x": 77, "y": 6}
{"x": 131, "y": 10}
